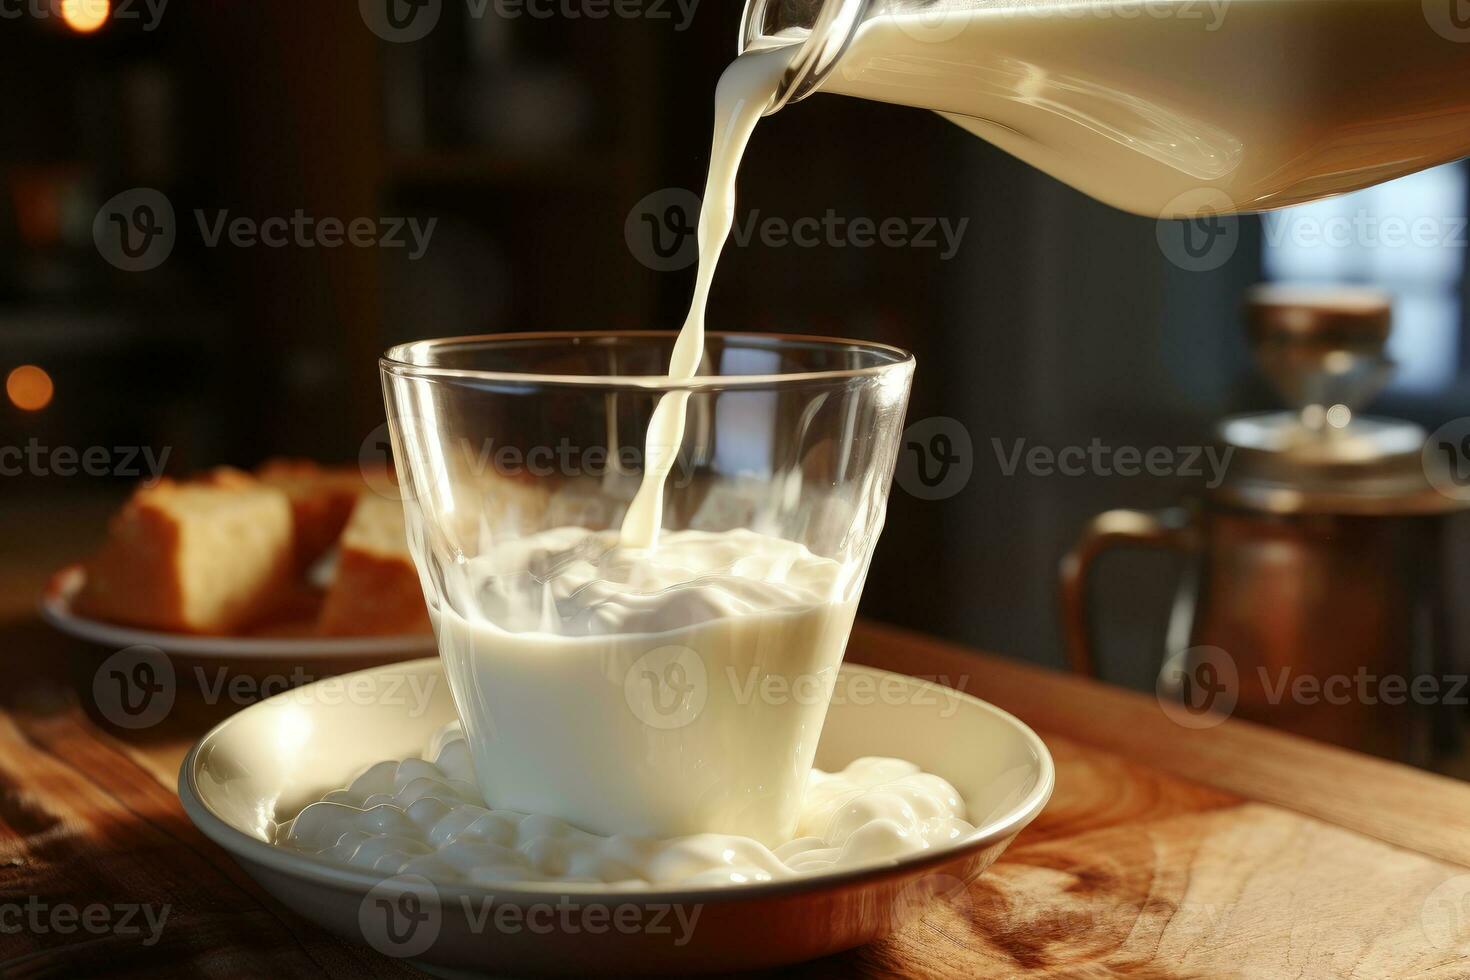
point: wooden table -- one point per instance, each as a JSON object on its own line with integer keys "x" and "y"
{"x": 1166, "y": 852}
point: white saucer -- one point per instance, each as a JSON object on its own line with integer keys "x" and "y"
{"x": 262, "y": 765}
{"x": 57, "y": 609}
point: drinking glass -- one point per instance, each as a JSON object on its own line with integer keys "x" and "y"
{"x": 709, "y": 719}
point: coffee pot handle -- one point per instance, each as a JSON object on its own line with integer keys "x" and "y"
{"x": 1172, "y": 528}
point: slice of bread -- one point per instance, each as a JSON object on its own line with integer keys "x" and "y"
{"x": 375, "y": 591}
{"x": 322, "y": 498}
{"x": 207, "y": 556}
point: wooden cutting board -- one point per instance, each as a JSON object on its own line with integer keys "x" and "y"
{"x": 1166, "y": 852}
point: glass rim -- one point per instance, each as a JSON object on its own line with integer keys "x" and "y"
{"x": 394, "y": 361}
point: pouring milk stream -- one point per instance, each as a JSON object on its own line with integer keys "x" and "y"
{"x": 564, "y": 610}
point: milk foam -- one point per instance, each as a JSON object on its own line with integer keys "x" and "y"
{"x": 572, "y": 582}
{"x": 630, "y": 690}
{"x": 420, "y": 817}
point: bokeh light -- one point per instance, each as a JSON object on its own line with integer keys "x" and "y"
{"x": 29, "y": 388}
{"x": 85, "y": 16}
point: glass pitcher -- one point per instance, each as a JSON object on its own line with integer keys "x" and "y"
{"x": 1167, "y": 108}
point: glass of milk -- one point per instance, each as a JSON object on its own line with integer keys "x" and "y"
{"x": 657, "y": 663}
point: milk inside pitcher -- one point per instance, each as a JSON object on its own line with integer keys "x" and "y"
{"x": 1166, "y": 108}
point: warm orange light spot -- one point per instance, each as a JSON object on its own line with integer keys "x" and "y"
{"x": 85, "y": 16}
{"x": 29, "y": 388}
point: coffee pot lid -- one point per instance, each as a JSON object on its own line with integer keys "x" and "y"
{"x": 1323, "y": 350}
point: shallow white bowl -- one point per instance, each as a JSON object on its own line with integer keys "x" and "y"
{"x": 262, "y": 765}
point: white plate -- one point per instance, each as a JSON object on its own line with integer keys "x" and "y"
{"x": 262, "y": 765}
{"x": 57, "y": 609}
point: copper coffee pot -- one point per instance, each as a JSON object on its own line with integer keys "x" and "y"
{"x": 1311, "y": 600}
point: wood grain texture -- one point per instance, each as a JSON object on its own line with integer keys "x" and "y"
{"x": 1132, "y": 873}
{"x": 1400, "y": 805}
{"x": 1233, "y": 851}
{"x": 83, "y": 824}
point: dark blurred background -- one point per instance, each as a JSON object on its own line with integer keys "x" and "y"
{"x": 531, "y": 140}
